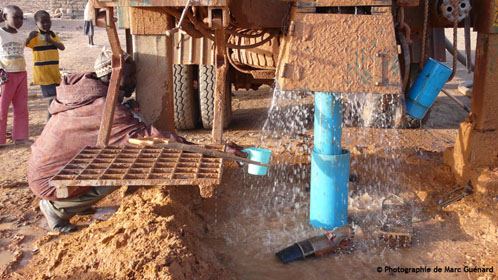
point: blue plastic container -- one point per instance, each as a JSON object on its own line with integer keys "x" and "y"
{"x": 329, "y": 190}
{"x": 327, "y": 125}
{"x": 426, "y": 88}
{"x": 260, "y": 155}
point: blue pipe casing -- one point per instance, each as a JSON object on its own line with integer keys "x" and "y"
{"x": 426, "y": 88}
{"x": 328, "y": 121}
{"x": 329, "y": 190}
{"x": 329, "y": 165}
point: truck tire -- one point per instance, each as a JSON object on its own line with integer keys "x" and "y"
{"x": 207, "y": 81}
{"x": 186, "y": 101}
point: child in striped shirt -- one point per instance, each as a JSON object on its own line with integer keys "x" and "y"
{"x": 46, "y": 45}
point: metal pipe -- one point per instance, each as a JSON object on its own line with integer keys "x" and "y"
{"x": 461, "y": 57}
{"x": 468, "y": 44}
{"x": 178, "y": 26}
{"x": 456, "y": 100}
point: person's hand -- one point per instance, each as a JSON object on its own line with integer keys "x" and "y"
{"x": 235, "y": 149}
{"x": 3, "y": 77}
{"x": 176, "y": 137}
{"x": 48, "y": 38}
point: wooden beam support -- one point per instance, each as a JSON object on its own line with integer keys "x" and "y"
{"x": 169, "y": 100}
{"x": 475, "y": 153}
{"x": 129, "y": 41}
{"x": 113, "y": 89}
{"x": 220, "y": 86}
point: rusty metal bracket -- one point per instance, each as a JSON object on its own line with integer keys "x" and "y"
{"x": 301, "y": 30}
{"x": 113, "y": 89}
{"x": 378, "y": 69}
{"x": 213, "y": 15}
{"x": 221, "y": 73}
{"x": 291, "y": 71}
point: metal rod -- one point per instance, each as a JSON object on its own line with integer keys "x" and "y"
{"x": 468, "y": 44}
{"x": 461, "y": 57}
{"x": 179, "y": 24}
{"x": 183, "y": 14}
{"x": 465, "y": 107}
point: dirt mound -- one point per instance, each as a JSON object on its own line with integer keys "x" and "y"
{"x": 156, "y": 234}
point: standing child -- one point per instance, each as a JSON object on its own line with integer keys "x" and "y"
{"x": 45, "y": 44}
{"x": 12, "y": 63}
{"x": 89, "y": 16}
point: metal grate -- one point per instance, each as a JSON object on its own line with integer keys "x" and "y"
{"x": 139, "y": 166}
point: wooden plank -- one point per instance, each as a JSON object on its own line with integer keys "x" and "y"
{"x": 484, "y": 95}
{"x": 113, "y": 89}
{"x": 148, "y": 21}
{"x": 219, "y": 90}
{"x": 169, "y": 100}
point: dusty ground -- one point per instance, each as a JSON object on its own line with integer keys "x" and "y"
{"x": 174, "y": 233}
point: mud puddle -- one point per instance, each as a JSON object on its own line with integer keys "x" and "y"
{"x": 254, "y": 220}
{"x": 21, "y": 239}
{"x": 247, "y": 238}
{"x": 104, "y": 213}
{"x": 5, "y": 257}
{"x": 17, "y": 246}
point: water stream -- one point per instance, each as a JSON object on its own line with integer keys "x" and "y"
{"x": 269, "y": 213}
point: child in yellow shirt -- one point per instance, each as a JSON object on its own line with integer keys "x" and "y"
{"x": 46, "y": 45}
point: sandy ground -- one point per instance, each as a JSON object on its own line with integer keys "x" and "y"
{"x": 234, "y": 231}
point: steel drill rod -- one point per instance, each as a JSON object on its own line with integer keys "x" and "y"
{"x": 465, "y": 107}
{"x": 460, "y": 56}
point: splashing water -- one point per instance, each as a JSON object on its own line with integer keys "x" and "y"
{"x": 271, "y": 212}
